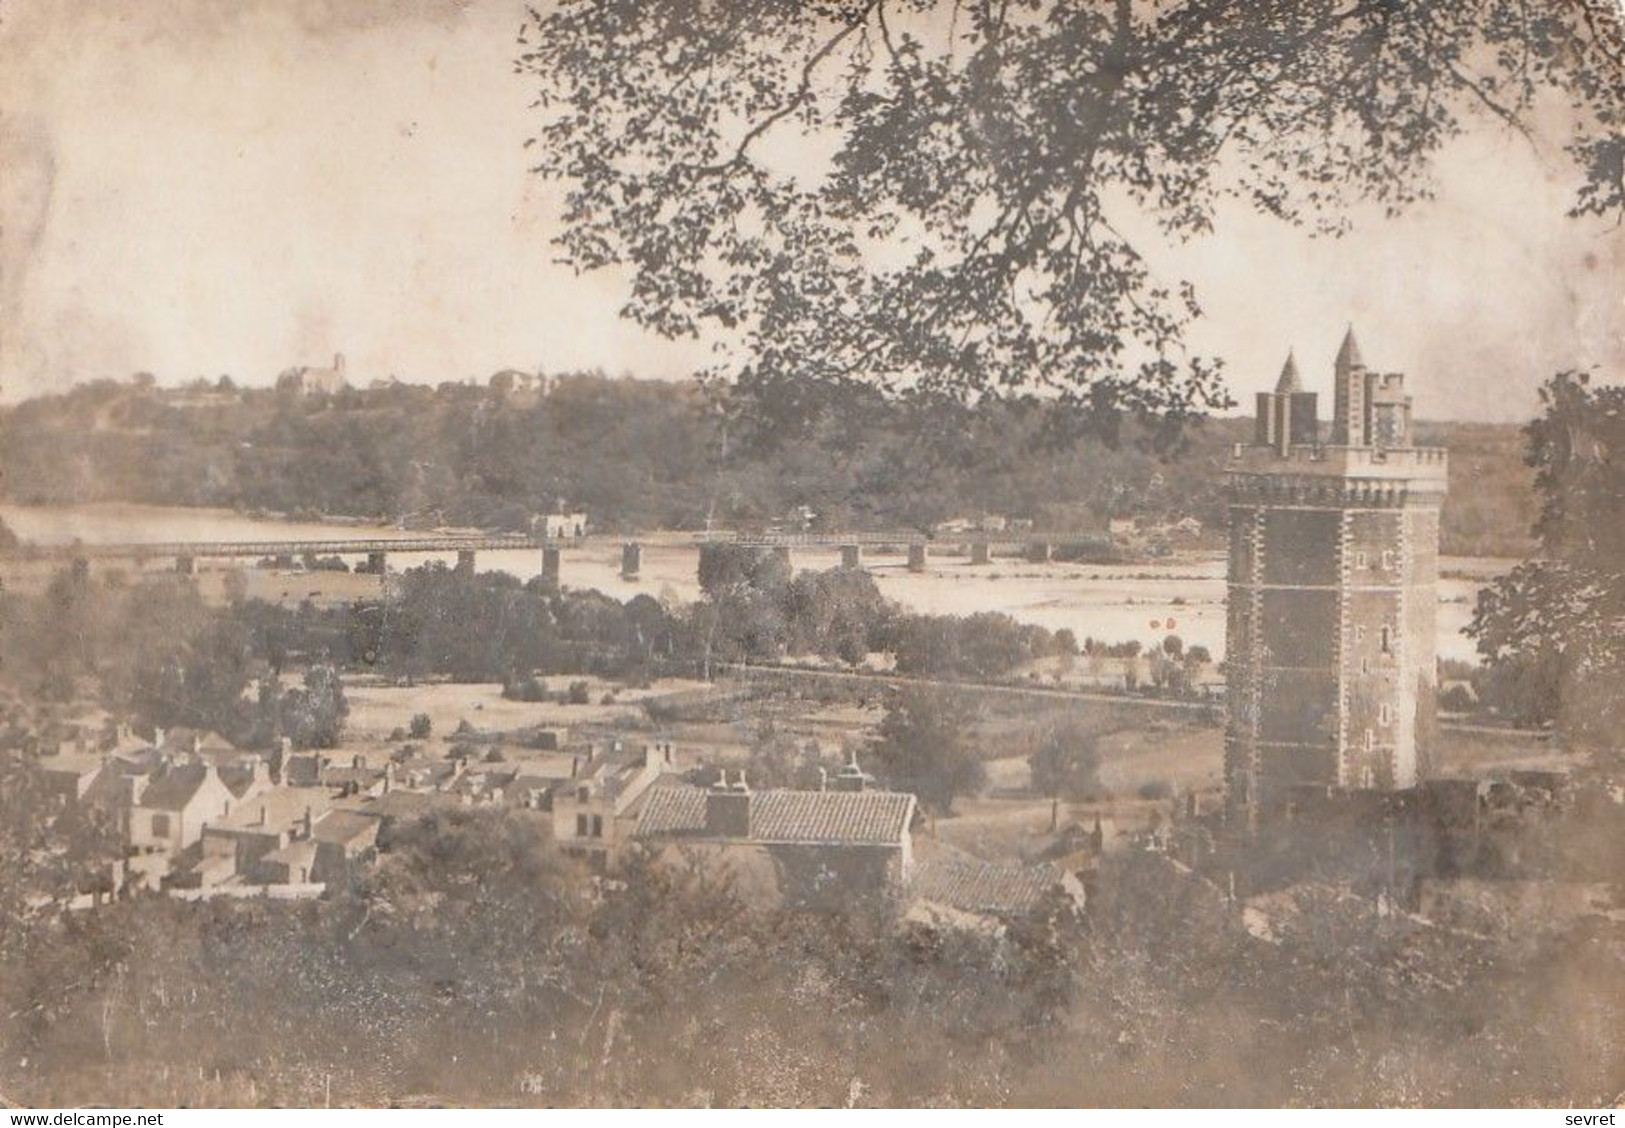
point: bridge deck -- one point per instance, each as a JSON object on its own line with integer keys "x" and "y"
{"x": 354, "y": 546}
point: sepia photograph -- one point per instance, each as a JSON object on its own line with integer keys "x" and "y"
{"x": 811, "y": 554}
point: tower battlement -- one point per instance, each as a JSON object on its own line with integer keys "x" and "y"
{"x": 1331, "y": 604}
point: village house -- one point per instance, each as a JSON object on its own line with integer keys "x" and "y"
{"x": 179, "y": 743}
{"x": 72, "y": 772}
{"x": 172, "y": 809}
{"x": 344, "y": 840}
{"x": 236, "y": 845}
{"x": 594, "y": 811}
{"x": 952, "y": 888}
{"x": 69, "y": 773}
{"x": 825, "y": 849}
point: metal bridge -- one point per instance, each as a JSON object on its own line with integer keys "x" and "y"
{"x": 480, "y": 542}
{"x": 153, "y": 550}
{"x": 914, "y": 543}
{"x": 903, "y": 538}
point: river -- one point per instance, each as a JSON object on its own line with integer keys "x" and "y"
{"x": 1111, "y": 602}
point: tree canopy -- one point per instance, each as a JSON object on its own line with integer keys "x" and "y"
{"x": 1554, "y": 627}
{"x": 940, "y": 199}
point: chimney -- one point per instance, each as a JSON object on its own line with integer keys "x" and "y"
{"x": 666, "y": 750}
{"x": 261, "y": 820}
{"x": 575, "y": 766}
{"x": 306, "y": 823}
{"x": 338, "y": 363}
{"x": 727, "y": 809}
{"x": 852, "y": 777}
{"x": 823, "y": 778}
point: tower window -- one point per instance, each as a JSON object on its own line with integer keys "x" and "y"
{"x": 1360, "y": 560}
{"x": 1387, "y": 641}
{"x": 1387, "y": 559}
{"x": 1370, "y": 741}
{"x": 1383, "y": 714}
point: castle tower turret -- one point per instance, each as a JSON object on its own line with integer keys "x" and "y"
{"x": 1348, "y": 393}
{"x": 1333, "y": 569}
{"x": 1287, "y": 416}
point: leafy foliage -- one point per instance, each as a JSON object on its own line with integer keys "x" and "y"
{"x": 654, "y": 455}
{"x": 934, "y": 199}
{"x": 1066, "y": 762}
{"x": 924, "y": 746}
{"x": 1554, "y": 628}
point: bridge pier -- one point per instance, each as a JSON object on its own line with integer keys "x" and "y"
{"x": 284, "y": 560}
{"x": 1039, "y": 552}
{"x": 852, "y": 556}
{"x": 376, "y": 563}
{"x": 80, "y": 567}
{"x": 184, "y": 565}
{"x": 916, "y": 557}
{"x": 550, "y": 565}
{"x": 782, "y": 551}
{"x": 979, "y": 553}
{"x": 465, "y": 560}
{"x": 631, "y": 560}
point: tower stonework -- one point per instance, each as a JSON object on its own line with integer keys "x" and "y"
{"x": 1333, "y": 572}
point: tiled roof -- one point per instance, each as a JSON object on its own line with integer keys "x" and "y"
{"x": 274, "y": 809}
{"x": 973, "y": 885}
{"x": 343, "y": 826}
{"x": 72, "y": 762}
{"x": 175, "y": 788}
{"x": 300, "y": 853}
{"x": 402, "y": 804}
{"x": 846, "y": 817}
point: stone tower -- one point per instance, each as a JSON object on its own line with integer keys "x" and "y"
{"x": 1333, "y": 568}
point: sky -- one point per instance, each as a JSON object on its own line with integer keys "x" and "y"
{"x": 202, "y": 187}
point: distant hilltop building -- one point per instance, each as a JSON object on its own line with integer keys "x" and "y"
{"x": 521, "y": 388}
{"x": 308, "y": 381}
{"x": 1334, "y": 547}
